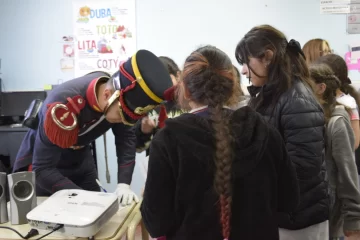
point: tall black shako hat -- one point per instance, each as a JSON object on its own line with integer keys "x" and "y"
{"x": 140, "y": 85}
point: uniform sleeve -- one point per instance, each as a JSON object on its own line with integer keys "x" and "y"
{"x": 157, "y": 209}
{"x": 347, "y": 177}
{"x": 142, "y": 140}
{"x": 45, "y": 160}
{"x": 125, "y": 141}
{"x": 288, "y": 187}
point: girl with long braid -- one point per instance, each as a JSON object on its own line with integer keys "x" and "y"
{"x": 215, "y": 173}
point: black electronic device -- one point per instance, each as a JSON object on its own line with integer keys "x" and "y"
{"x": 15, "y": 104}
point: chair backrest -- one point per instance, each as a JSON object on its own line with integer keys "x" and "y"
{"x": 31, "y": 119}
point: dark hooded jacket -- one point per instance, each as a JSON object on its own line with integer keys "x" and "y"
{"x": 179, "y": 198}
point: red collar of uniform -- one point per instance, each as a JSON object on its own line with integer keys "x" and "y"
{"x": 91, "y": 95}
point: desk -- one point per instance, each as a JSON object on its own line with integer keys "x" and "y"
{"x": 10, "y": 141}
{"x": 112, "y": 230}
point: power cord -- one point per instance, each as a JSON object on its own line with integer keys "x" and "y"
{"x": 31, "y": 233}
{"x": 57, "y": 227}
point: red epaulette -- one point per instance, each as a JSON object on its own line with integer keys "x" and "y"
{"x": 61, "y": 124}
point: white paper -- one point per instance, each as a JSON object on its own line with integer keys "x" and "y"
{"x": 66, "y": 64}
{"x": 335, "y": 9}
{"x": 104, "y": 34}
{"x": 331, "y": 2}
{"x": 354, "y": 8}
{"x": 355, "y": 51}
{"x": 353, "y": 23}
{"x": 334, "y": 6}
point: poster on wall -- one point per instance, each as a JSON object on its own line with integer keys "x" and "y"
{"x": 352, "y": 58}
{"x": 104, "y": 34}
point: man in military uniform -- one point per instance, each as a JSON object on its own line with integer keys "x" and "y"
{"x": 79, "y": 111}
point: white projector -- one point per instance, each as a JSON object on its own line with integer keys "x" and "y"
{"x": 83, "y": 213}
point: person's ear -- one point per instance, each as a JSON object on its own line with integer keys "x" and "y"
{"x": 106, "y": 94}
{"x": 321, "y": 88}
{"x": 268, "y": 56}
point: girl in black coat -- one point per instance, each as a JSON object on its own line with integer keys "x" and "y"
{"x": 282, "y": 93}
{"x": 215, "y": 173}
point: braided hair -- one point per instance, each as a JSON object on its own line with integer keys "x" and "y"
{"x": 339, "y": 67}
{"x": 210, "y": 79}
{"x": 322, "y": 73}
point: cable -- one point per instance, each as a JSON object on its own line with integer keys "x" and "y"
{"x": 106, "y": 160}
{"x": 57, "y": 227}
{"x": 31, "y": 233}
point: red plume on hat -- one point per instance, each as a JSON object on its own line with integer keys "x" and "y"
{"x": 169, "y": 96}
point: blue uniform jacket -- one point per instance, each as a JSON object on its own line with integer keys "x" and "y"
{"x": 45, "y": 157}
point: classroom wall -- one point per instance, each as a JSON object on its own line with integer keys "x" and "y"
{"x": 31, "y": 32}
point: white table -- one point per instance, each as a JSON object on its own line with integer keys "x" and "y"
{"x": 114, "y": 229}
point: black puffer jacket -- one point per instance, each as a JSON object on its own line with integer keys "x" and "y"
{"x": 300, "y": 119}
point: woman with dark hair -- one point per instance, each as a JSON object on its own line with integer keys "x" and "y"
{"x": 172, "y": 68}
{"x": 148, "y": 126}
{"x": 340, "y": 160}
{"x": 346, "y": 94}
{"x": 215, "y": 173}
{"x": 281, "y": 91}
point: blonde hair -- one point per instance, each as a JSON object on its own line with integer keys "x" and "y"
{"x": 313, "y": 49}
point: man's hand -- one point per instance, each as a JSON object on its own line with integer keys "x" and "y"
{"x": 125, "y": 195}
{"x": 147, "y": 125}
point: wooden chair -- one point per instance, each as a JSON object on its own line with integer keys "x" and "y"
{"x": 135, "y": 222}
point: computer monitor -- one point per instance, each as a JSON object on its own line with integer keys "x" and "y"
{"x": 14, "y": 104}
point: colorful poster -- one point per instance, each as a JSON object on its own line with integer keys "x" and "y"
{"x": 104, "y": 34}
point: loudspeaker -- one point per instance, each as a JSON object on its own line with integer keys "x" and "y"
{"x": 3, "y": 208}
{"x": 22, "y": 196}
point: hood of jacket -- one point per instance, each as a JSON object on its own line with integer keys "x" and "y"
{"x": 249, "y": 133}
